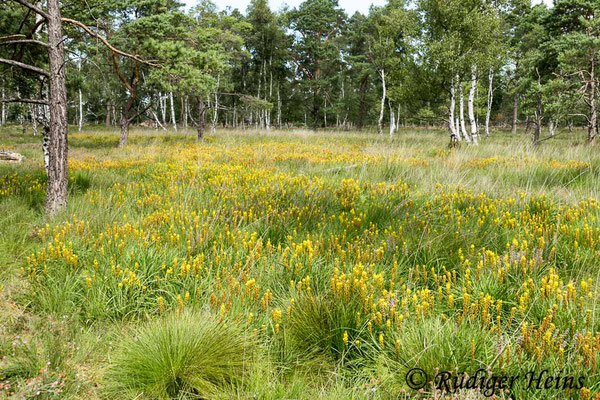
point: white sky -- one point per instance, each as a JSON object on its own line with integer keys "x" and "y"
{"x": 349, "y": 5}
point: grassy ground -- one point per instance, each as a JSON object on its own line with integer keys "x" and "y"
{"x": 299, "y": 266}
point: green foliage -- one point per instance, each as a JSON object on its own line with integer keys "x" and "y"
{"x": 189, "y": 355}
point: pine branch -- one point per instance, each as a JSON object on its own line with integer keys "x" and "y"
{"x": 28, "y": 101}
{"x": 25, "y": 66}
{"x": 24, "y": 41}
{"x": 33, "y": 8}
{"x": 107, "y": 44}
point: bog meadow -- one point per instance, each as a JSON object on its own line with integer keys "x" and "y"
{"x": 202, "y": 202}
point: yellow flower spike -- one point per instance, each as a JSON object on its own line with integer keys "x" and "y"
{"x": 161, "y": 304}
{"x": 381, "y": 340}
{"x": 345, "y": 338}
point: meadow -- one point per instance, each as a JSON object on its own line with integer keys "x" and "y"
{"x": 295, "y": 265}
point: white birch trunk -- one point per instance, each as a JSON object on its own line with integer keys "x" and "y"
{"x": 80, "y": 120}
{"x": 158, "y": 121}
{"x": 216, "y": 113}
{"x": 463, "y": 128}
{"x": 454, "y": 137}
{"x": 392, "y": 119}
{"x": 186, "y": 111}
{"x": 173, "y": 120}
{"x": 472, "y": 120}
{"x": 380, "y": 122}
{"x": 270, "y": 93}
{"x": 3, "y": 115}
{"x": 489, "y": 102}
{"x": 162, "y": 100}
{"x": 33, "y": 113}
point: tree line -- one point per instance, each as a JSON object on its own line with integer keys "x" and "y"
{"x": 466, "y": 65}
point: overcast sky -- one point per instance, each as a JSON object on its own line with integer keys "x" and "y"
{"x": 349, "y": 5}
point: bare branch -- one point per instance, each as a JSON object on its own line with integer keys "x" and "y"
{"x": 25, "y": 66}
{"x": 33, "y": 8}
{"x": 24, "y": 41}
{"x": 141, "y": 112}
{"x": 17, "y": 36}
{"x": 28, "y": 101}
{"x": 107, "y": 44}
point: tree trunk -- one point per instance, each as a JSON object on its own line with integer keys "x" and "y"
{"x": 325, "y": 111}
{"x": 538, "y": 113}
{"x": 552, "y": 127}
{"x": 361, "y": 102}
{"x": 213, "y": 128}
{"x": 278, "y": 107}
{"x": 57, "y": 163}
{"x": 173, "y": 119}
{"x": 124, "y": 130}
{"x": 392, "y": 119}
{"x": 114, "y": 114}
{"x": 515, "y": 113}
{"x": 270, "y": 92}
{"x": 162, "y": 100}
{"x": 382, "y": 108}
{"x": 184, "y": 118}
{"x": 107, "y": 120}
{"x": 472, "y": 121}
{"x": 80, "y": 120}
{"x": 397, "y": 119}
{"x": 490, "y": 99}
{"x": 3, "y": 113}
{"x": 592, "y": 101}
{"x": 34, "y": 124}
{"x": 463, "y": 128}
{"x": 201, "y": 118}
{"x": 454, "y": 138}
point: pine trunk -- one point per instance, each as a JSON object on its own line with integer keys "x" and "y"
{"x": 58, "y": 145}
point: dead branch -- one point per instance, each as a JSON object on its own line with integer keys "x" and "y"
{"x": 33, "y": 8}
{"x": 28, "y": 101}
{"x": 25, "y": 66}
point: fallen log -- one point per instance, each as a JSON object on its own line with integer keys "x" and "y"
{"x": 10, "y": 156}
